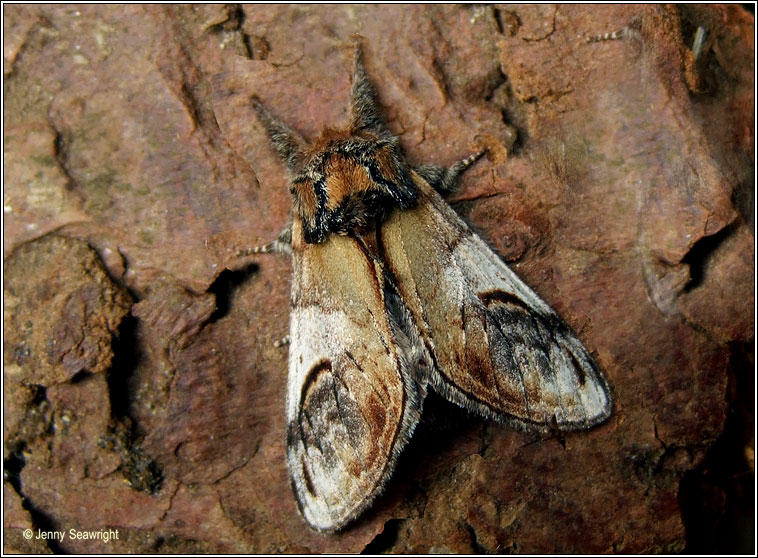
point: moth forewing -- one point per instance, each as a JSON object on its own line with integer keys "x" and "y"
{"x": 350, "y": 406}
{"x": 498, "y": 348}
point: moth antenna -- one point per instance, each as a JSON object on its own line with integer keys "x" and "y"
{"x": 366, "y": 112}
{"x": 288, "y": 143}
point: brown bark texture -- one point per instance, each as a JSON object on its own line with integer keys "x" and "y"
{"x": 143, "y": 390}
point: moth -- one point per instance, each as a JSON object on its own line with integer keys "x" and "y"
{"x": 394, "y": 295}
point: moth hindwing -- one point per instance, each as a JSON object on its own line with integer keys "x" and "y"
{"x": 393, "y": 294}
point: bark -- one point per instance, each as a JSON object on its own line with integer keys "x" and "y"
{"x": 140, "y": 348}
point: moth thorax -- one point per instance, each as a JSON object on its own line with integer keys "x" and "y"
{"x": 350, "y": 185}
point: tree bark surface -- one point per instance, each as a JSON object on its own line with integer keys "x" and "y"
{"x": 143, "y": 388}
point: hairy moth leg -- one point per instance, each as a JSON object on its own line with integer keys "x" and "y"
{"x": 445, "y": 179}
{"x": 282, "y": 244}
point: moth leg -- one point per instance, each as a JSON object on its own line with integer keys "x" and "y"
{"x": 366, "y": 113}
{"x": 632, "y": 31}
{"x": 281, "y": 245}
{"x": 445, "y": 179}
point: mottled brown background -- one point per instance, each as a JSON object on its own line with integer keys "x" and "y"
{"x": 143, "y": 390}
